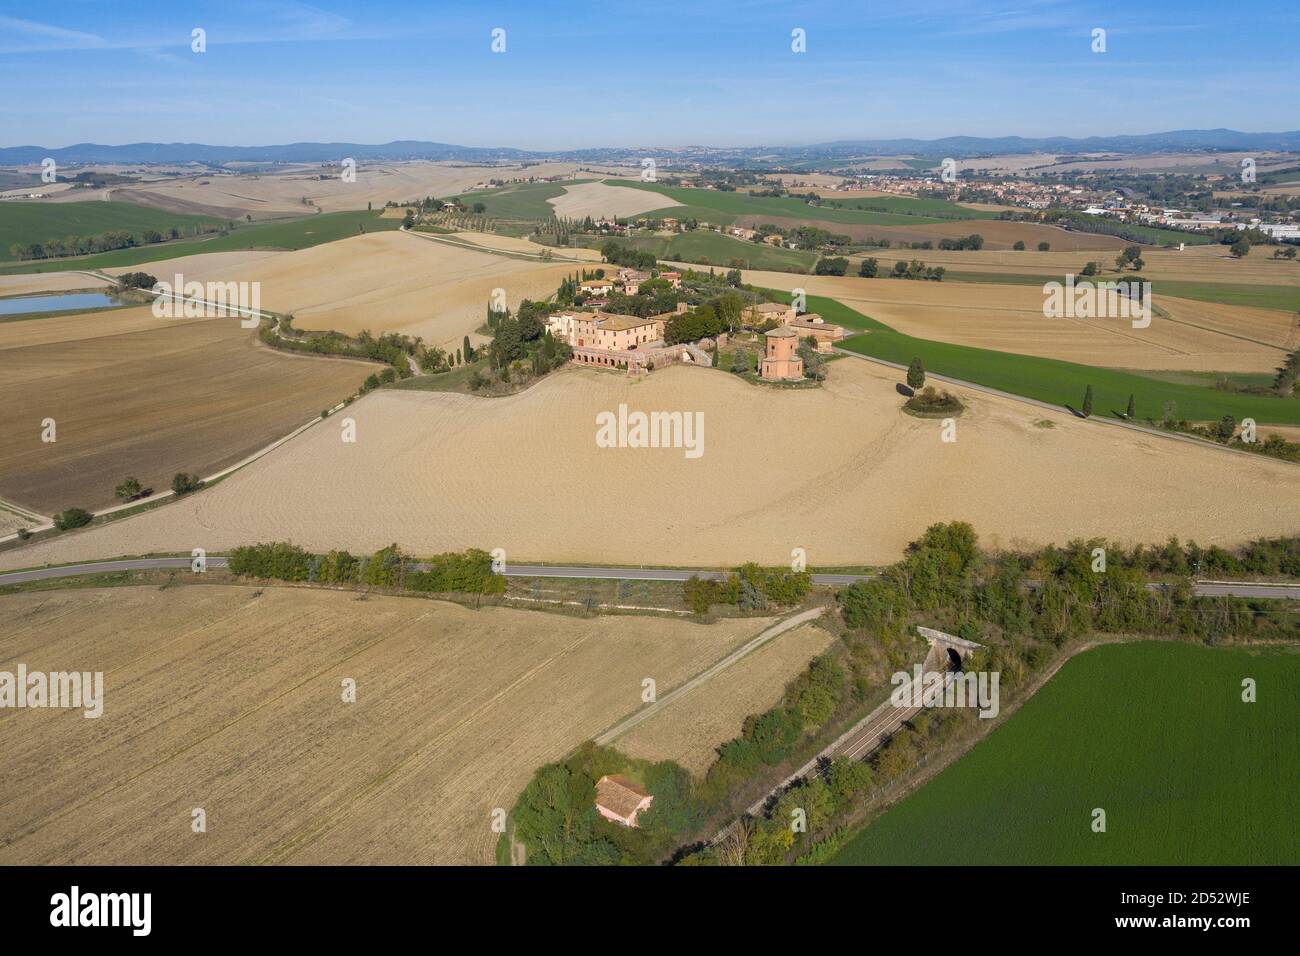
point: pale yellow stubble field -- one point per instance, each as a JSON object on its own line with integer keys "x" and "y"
{"x": 840, "y": 471}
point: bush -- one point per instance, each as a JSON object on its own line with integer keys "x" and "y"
{"x": 467, "y": 573}
{"x": 136, "y": 280}
{"x": 280, "y": 561}
{"x": 128, "y": 489}
{"x": 931, "y": 402}
{"x": 183, "y": 483}
{"x": 72, "y": 518}
{"x": 700, "y": 594}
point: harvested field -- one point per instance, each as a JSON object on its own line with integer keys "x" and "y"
{"x": 997, "y": 233}
{"x": 281, "y": 195}
{"x": 135, "y": 395}
{"x": 47, "y": 282}
{"x": 1198, "y": 336}
{"x": 441, "y": 471}
{"x": 11, "y": 522}
{"x": 384, "y": 282}
{"x": 387, "y": 282}
{"x": 202, "y": 267}
{"x": 600, "y": 201}
{"x": 229, "y": 698}
{"x": 1206, "y": 263}
{"x": 1228, "y": 163}
{"x": 691, "y": 729}
{"x": 489, "y": 240}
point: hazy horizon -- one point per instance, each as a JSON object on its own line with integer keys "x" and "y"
{"x": 671, "y": 76}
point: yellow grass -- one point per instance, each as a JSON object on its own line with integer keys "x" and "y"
{"x": 600, "y": 201}
{"x": 998, "y": 235}
{"x": 381, "y": 281}
{"x": 490, "y": 240}
{"x": 229, "y": 699}
{"x": 839, "y": 471}
{"x": 691, "y": 729}
{"x": 1198, "y": 336}
{"x": 11, "y": 522}
{"x": 1207, "y": 263}
{"x": 47, "y": 282}
{"x": 281, "y": 194}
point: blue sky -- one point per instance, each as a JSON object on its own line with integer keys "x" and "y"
{"x": 620, "y": 73}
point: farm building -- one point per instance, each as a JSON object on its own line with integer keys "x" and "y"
{"x": 826, "y": 333}
{"x": 604, "y": 330}
{"x": 620, "y": 800}
{"x": 756, "y": 315}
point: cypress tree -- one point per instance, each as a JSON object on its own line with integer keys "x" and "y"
{"x": 1087, "y": 402}
{"x": 1132, "y": 408}
{"x": 915, "y": 374}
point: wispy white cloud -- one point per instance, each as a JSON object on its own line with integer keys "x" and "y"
{"x": 28, "y": 36}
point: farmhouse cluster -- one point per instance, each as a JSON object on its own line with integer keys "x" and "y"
{"x": 637, "y": 344}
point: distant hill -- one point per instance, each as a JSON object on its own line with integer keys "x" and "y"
{"x": 1212, "y": 140}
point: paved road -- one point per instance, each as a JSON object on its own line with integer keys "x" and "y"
{"x": 646, "y": 574}
{"x": 1247, "y": 589}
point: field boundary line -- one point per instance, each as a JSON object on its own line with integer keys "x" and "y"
{"x": 765, "y": 637}
{"x": 1038, "y": 403}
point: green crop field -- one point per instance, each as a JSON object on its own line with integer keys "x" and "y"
{"x": 1155, "y": 734}
{"x": 519, "y": 200}
{"x": 723, "y": 207}
{"x": 711, "y": 248}
{"x": 1051, "y": 380}
{"x": 28, "y": 222}
{"x": 1153, "y": 235}
{"x": 1284, "y": 297}
{"x": 291, "y": 234}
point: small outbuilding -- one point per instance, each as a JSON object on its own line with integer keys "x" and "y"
{"x": 620, "y": 800}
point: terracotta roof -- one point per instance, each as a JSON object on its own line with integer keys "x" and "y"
{"x": 770, "y": 307}
{"x": 619, "y": 795}
{"x": 621, "y": 323}
{"x": 781, "y": 332}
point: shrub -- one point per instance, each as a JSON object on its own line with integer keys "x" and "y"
{"x": 136, "y": 280}
{"x": 469, "y": 573}
{"x": 183, "y": 483}
{"x": 699, "y": 594}
{"x": 72, "y": 518}
{"x": 128, "y": 489}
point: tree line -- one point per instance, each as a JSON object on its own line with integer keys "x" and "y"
{"x": 1023, "y": 607}
{"x": 468, "y": 572}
